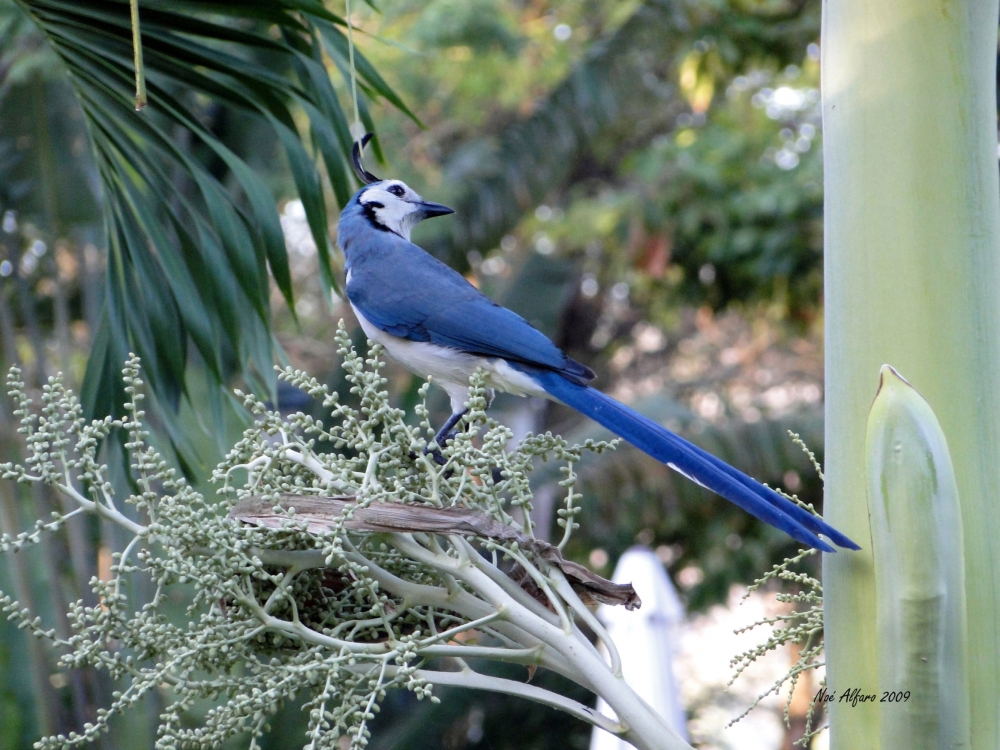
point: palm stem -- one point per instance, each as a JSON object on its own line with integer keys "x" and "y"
{"x": 912, "y": 223}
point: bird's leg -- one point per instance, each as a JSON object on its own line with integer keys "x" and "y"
{"x": 448, "y": 431}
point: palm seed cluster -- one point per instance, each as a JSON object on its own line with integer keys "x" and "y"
{"x": 273, "y": 614}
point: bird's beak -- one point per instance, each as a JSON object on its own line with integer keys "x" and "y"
{"x": 430, "y": 210}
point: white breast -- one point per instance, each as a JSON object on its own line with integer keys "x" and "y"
{"x": 450, "y": 368}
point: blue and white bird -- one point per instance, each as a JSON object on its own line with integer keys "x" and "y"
{"x": 439, "y": 326}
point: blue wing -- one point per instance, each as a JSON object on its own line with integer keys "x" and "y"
{"x": 406, "y": 292}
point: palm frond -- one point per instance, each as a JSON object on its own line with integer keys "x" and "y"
{"x": 192, "y": 228}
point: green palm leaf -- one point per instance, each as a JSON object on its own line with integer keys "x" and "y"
{"x": 192, "y": 231}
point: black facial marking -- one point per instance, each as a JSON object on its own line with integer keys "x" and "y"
{"x": 396, "y": 190}
{"x": 369, "y": 210}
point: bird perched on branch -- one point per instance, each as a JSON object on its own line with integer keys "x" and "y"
{"x": 437, "y": 325}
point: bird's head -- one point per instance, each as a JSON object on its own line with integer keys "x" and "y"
{"x": 391, "y": 205}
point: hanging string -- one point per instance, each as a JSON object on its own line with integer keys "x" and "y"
{"x": 356, "y": 128}
{"x": 140, "y": 70}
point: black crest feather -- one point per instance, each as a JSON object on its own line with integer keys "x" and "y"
{"x": 363, "y": 174}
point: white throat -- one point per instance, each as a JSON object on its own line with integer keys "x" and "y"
{"x": 398, "y": 217}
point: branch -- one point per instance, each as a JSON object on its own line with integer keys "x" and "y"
{"x": 477, "y": 681}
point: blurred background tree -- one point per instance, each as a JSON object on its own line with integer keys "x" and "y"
{"x": 640, "y": 180}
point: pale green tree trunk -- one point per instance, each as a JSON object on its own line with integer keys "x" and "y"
{"x": 913, "y": 280}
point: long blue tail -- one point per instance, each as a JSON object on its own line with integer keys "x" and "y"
{"x": 693, "y": 462}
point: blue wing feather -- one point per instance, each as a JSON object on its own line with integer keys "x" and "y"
{"x": 406, "y": 292}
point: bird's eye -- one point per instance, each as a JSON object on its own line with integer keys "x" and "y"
{"x": 396, "y": 190}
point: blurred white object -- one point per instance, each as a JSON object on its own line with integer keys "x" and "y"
{"x": 646, "y": 640}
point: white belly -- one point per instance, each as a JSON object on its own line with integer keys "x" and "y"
{"x": 449, "y": 368}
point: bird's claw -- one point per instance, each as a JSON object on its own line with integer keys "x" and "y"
{"x": 436, "y": 454}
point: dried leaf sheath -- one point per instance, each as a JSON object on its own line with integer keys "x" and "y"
{"x": 325, "y": 514}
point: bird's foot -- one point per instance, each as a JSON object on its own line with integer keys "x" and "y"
{"x": 448, "y": 430}
{"x": 440, "y": 460}
{"x": 436, "y": 455}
